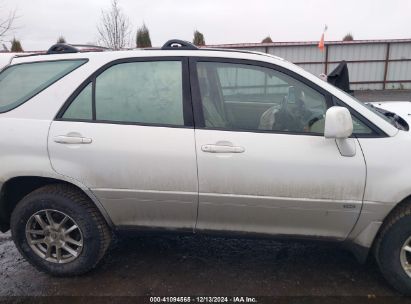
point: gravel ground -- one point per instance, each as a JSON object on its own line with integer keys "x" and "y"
{"x": 387, "y": 95}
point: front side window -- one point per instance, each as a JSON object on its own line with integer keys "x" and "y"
{"x": 386, "y": 115}
{"x": 247, "y": 97}
{"x": 19, "y": 83}
{"x": 359, "y": 128}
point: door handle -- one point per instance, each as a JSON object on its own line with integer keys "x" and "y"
{"x": 72, "y": 140}
{"x": 222, "y": 149}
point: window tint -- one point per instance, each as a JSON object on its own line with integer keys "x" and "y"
{"x": 81, "y": 107}
{"x": 246, "y": 97}
{"x": 141, "y": 92}
{"x": 19, "y": 83}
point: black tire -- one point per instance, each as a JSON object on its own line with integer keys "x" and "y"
{"x": 395, "y": 232}
{"x": 74, "y": 203}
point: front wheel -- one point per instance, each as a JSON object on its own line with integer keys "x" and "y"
{"x": 59, "y": 230}
{"x": 393, "y": 249}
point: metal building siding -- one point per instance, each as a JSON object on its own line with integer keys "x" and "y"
{"x": 315, "y": 69}
{"x": 255, "y": 49}
{"x": 399, "y": 71}
{"x": 356, "y": 52}
{"x": 367, "y": 60}
{"x": 367, "y": 71}
{"x": 400, "y": 51}
{"x": 305, "y": 53}
{"x": 364, "y": 71}
{"x": 366, "y": 86}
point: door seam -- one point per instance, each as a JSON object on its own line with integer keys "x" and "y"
{"x": 195, "y": 141}
{"x": 365, "y": 187}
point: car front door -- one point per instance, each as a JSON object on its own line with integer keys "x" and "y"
{"x": 127, "y": 134}
{"x": 264, "y": 165}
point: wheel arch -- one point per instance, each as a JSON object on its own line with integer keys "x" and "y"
{"x": 16, "y": 188}
{"x": 402, "y": 204}
{"x": 365, "y": 241}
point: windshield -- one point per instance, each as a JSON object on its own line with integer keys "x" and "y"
{"x": 20, "y": 82}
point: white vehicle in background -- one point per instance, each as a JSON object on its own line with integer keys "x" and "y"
{"x": 199, "y": 140}
{"x": 6, "y": 58}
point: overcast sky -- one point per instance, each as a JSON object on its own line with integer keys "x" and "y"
{"x": 41, "y": 22}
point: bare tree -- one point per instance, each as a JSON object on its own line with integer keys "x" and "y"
{"x": 114, "y": 29}
{"x": 6, "y": 23}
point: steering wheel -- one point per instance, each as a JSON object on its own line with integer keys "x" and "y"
{"x": 314, "y": 120}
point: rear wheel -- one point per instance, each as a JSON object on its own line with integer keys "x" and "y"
{"x": 59, "y": 230}
{"x": 393, "y": 249}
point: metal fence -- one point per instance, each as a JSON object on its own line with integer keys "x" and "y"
{"x": 372, "y": 64}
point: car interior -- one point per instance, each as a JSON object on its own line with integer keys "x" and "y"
{"x": 243, "y": 97}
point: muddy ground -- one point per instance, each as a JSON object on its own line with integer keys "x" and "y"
{"x": 172, "y": 265}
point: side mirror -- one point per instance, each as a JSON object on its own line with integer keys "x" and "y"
{"x": 338, "y": 123}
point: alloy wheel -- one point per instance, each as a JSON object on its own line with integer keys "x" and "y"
{"x": 54, "y": 236}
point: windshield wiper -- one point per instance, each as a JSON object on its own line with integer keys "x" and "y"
{"x": 398, "y": 122}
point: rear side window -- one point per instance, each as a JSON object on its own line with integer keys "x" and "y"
{"x": 81, "y": 108}
{"x": 19, "y": 83}
{"x": 141, "y": 92}
{"x": 135, "y": 92}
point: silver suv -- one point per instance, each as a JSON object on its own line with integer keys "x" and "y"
{"x": 198, "y": 140}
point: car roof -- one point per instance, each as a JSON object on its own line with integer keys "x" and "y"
{"x": 113, "y": 55}
{"x": 170, "y": 46}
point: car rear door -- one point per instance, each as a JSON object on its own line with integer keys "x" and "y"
{"x": 264, "y": 165}
{"x": 127, "y": 134}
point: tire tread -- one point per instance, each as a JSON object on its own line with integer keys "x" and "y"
{"x": 402, "y": 211}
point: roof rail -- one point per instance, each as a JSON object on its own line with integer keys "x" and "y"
{"x": 241, "y": 51}
{"x": 90, "y": 47}
{"x": 61, "y": 48}
{"x": 178, "y": 44}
